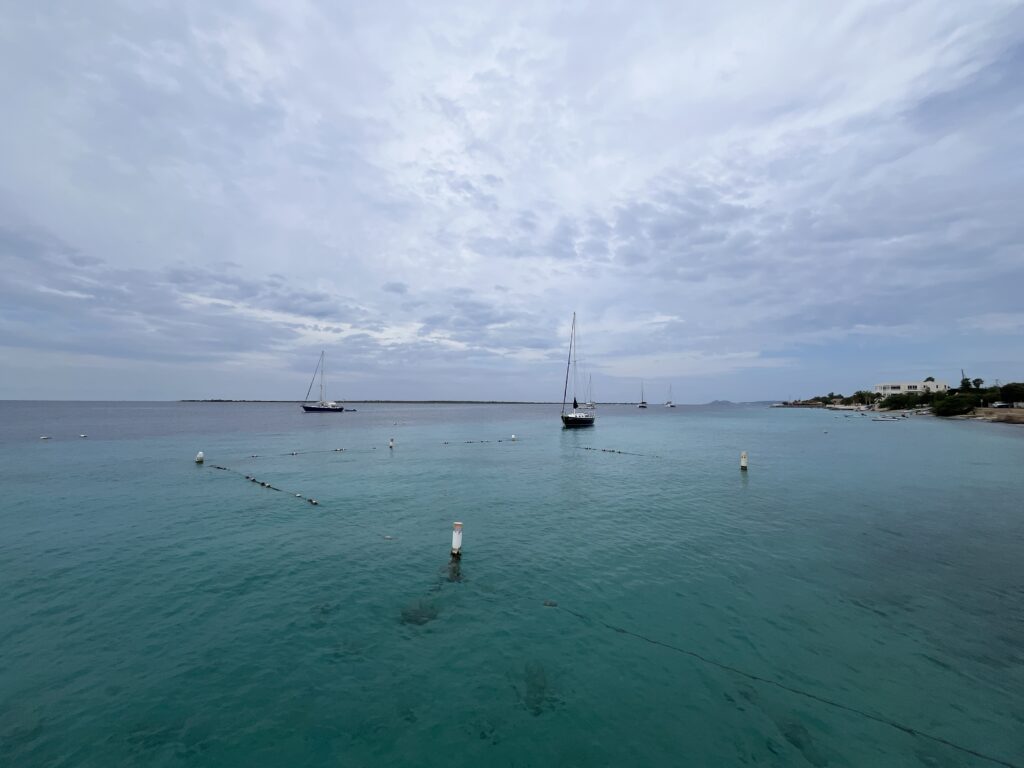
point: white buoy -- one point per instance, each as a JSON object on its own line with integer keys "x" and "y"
{"x": 391, "y": 443}
{"x": 200, "y": 458}
{"x": 44, "y": 437}
{"x": 513, "y": 437}
{"x": 456, "y": 539}
{"x": 83, "y": 435}
{"x": 743, "y": 461}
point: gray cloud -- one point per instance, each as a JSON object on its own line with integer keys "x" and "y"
{"x": 727, "y": 199}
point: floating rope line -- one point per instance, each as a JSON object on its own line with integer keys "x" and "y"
{"x": 264, "y": 484}
{"x": 612, "y": 450}
{"x": 790, "y": 689}
{"x": 303, "y": 453}
{"x": 477, "y": 442}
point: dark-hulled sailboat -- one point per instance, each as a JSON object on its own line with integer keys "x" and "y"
{"x": 586, "y": 415}
{"x": 324, "y": 406}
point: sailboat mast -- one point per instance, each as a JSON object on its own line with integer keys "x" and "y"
{"x": 568, "y": 362}
{"x": 323, "y": 364}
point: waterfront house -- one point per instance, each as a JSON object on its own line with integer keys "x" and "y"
{"x": 910, "y": 387}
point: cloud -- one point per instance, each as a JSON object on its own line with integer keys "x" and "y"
{"x": 996, "y": 322}
{"x": 734, "y": 197}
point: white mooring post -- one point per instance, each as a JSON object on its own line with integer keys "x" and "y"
{"x": 743, "y": 461}
{"x": 199, "y": 458}
{"x": 391, "y": 443}
{"x": 456, "y": 539}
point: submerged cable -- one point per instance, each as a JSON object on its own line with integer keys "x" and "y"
{"x": 797, "y": 691}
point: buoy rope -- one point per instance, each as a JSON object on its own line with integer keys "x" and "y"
{"x": 268, "y": 486}
{"x": 613, "y": 450}
{"x": 303, "y": 453}
{"x": 790, "y": 689}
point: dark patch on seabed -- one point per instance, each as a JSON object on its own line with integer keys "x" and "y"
{"x": 801, "y": 738}
{"x": 419, "y": 612}
{"x": 793, "y": 732}
{"x": 534, "y": 690}
{"x": 321, "y": 614}
{"x": 148, "y": 738}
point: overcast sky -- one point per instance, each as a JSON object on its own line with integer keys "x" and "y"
{"x": 747, "y": 200}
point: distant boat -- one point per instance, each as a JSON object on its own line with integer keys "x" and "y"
{"x": 885, "y": 418}
{"x": 325, "y": 405}
{"x": 669, "y": 403}
{"x": 590, "y": 393}
{"x": 642, "y": 403}
{"x": 577, "y": 417}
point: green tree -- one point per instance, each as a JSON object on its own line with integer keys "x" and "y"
{"x": 930, "y": 378}
{"x": 863, "y": 397}
{"x": 899, "y": 402}
{"x": 954, "y": 405}
{"x": 965, "y": 384}
{"x": 977, "y": 383}
{"x": 1012, "y": 392}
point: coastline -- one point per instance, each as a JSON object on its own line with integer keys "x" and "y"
{"x": 999, "y": 415}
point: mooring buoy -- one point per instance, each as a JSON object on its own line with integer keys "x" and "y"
{"x": 200, "y": 458}
{"x": 456, "y": 539}
{"x": 743, "y": 461}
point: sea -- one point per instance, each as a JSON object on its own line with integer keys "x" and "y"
{"x": 626, "y": 595}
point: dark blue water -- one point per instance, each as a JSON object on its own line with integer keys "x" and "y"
{"x": 153, "y": 612}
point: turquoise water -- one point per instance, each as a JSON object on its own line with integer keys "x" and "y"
{"x": 157, "y": 613}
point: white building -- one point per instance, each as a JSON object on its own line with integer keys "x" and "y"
{"x": 912, "y": 387}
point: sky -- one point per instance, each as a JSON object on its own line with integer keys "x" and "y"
{"x": 742, "y": 200}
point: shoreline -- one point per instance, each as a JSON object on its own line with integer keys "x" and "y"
{"x": 995, "y": 415}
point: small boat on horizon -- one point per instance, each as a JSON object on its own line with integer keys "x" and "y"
{"x": 642, "y": 403}
{"x": 324, "y": 405}
{"x": 590, "y": 393}
{"x": 579, "y": 416}
{"x": 669, "y": 403}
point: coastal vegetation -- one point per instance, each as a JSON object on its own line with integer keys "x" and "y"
{"x": 860, "y": 397}
{"x": 971, "y": 394}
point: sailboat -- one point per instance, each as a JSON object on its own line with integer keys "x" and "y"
{"x": 642, "y": 403}
{"x": 324, "y": 406}
{"x": 577, "y": 417}
{"x": 669, "y": 403}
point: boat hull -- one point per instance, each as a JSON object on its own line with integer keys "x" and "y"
{"x": 322, "y": 409}
{"x": 571, "y": 420}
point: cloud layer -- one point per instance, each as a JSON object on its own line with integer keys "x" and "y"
{"x": 751, "y": 201}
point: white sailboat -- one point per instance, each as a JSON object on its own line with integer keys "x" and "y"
{"x": 590, "y": 393}
{"x": 669, "y": 403}
{"x": 324, "y": 405}
{"x": 586, "y": 415}
{"x": 642, "y": 403}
